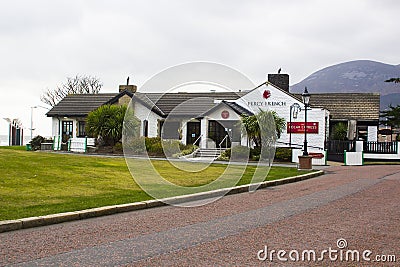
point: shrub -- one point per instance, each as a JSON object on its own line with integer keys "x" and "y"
{"x": 107, "y": 122}
{"x": 118, "y": 148}
{"x": 339, "y": 131}
{"x": 236, "y": 153}
{"x": 283, "y": 154}
{"x": 37, "y": 141}
{"x": 137, "y": 145}
{"x": 240, "y": 153}
{"x": 185, "y": 150}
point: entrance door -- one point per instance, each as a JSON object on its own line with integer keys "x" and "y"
{"x": 193, "y": 132}
{"x": 67, "y": 128}
{"x": 217, "y": 132}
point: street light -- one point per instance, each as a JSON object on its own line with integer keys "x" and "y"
{"x": 32, "y": 129}
{"x": 306, "y": 101}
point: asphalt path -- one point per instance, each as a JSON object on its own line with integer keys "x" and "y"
{"x": 355, "y": 206}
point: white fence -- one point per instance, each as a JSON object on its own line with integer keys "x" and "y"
{"x": 357, "y": 157}
{"x": 353, "y": 158}
{"x": 77, "y": 144}
{"x": 80, "y": 144}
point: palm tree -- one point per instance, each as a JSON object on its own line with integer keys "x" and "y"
{"x": 107, "y": 122}
{"x": 263, "y": 127}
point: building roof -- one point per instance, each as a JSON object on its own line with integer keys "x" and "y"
{"x": 342, "y": 106}
{"x": 233, "y": 105}
{"x": 79, "y": 104}
{"x": 347, "y": 106}
{"x": 184, "y": 104}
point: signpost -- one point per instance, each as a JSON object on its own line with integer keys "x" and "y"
{"x": 298, "y": 127}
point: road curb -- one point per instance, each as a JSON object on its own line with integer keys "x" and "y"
{"x": 12, "y": 225}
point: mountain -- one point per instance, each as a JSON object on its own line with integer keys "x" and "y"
{"x": 360, "y": 76}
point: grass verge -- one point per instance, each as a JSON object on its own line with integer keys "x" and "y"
{"x": 36, "y": 183}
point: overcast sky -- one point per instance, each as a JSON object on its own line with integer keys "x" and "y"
{"x": 43, "y": 42}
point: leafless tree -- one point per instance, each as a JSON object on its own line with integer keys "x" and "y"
{"x": 74, "y": 85}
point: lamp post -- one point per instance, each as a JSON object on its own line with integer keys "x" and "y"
{"x": 32, "y": 121}
{"x": 306, "y": 101}
{"x": 32, "y": 129}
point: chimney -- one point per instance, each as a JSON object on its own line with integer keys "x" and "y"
{"x": 280, "y": 80}
{"x": 127, "y": 87}
{"x": 130, "y": 88}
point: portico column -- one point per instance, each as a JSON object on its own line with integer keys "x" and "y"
{"x": 203, "y": 132}
{"x": 184, "y": 132}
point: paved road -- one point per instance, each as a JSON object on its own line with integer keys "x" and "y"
{"x": 358, "y": 204}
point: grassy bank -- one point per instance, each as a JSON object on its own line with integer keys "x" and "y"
{"x": 37, "y": 183}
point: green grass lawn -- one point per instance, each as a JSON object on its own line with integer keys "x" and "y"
{"x": 38, "y": 183}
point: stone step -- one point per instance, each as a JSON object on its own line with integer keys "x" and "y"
{"x": 208, "y": 153}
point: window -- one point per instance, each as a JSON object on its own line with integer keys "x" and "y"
{"x": 145, "y": 128}
{"x": 81, "y": 129}
{"x": 67, "y": 128}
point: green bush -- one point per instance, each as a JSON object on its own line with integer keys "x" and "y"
{"x": 159, "y": 148}
{"x": 118, "y": 148}
{"x": 240, "y": 153}
{"x": 137, "y": 145}
{"x": 283, "y": 154}
{"x": 237, "y": 153}
{"x": 339, "y": 131}
{"x": 226, "y": 155}
{"x": 37, "y": 141}
{"x": 107, "y": 121}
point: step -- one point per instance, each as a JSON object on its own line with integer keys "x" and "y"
{"x": 208, "y": 153}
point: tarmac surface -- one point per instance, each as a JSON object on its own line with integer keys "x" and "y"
{"x": 348, "y": 208}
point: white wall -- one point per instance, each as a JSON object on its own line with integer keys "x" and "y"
{"x": 55, "y": 127}
{"x": 280, "y": 102}
{"x": 143, "y": 113}
{"x": 216, "y": 114}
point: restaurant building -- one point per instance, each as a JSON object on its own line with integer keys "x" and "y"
{"x": 211, "y": 119}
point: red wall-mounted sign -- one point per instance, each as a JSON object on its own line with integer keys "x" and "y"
{"x": 298, "y": 127}
{"x": 225, "y": 114}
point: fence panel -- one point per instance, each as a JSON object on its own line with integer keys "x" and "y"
{"x": 380, "y": 147}
{"x": 336, "y": 149}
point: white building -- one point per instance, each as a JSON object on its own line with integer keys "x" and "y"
{"x": 211, "y": 119}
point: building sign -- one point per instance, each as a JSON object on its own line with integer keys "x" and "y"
{"x": 298, "y": 127}
{"x": 267, "y": 103}
{"x": 225, "y": 114}
{"x": 266, "y": 94}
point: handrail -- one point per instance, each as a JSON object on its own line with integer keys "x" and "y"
{"x": 198, "y": 138}
{"x": 226, "y": 142}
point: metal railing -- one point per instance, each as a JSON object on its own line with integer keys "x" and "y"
{"x": 198, "y": 138}
{"x": 226, "y": 142}
{"x": 339, "y": 146}
{"x": 380, "y": 147}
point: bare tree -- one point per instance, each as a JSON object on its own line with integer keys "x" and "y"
{"x": 75, "y": 85}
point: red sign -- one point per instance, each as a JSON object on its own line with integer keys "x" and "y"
{"x": 225, "y": 114}
{"x": 266, "y": 94}
{"x": 298, "y": 127}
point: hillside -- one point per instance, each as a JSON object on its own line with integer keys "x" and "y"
{"x": 358, "y": 76}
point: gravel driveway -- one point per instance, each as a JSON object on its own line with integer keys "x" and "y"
{"x": 358, "y": 205}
